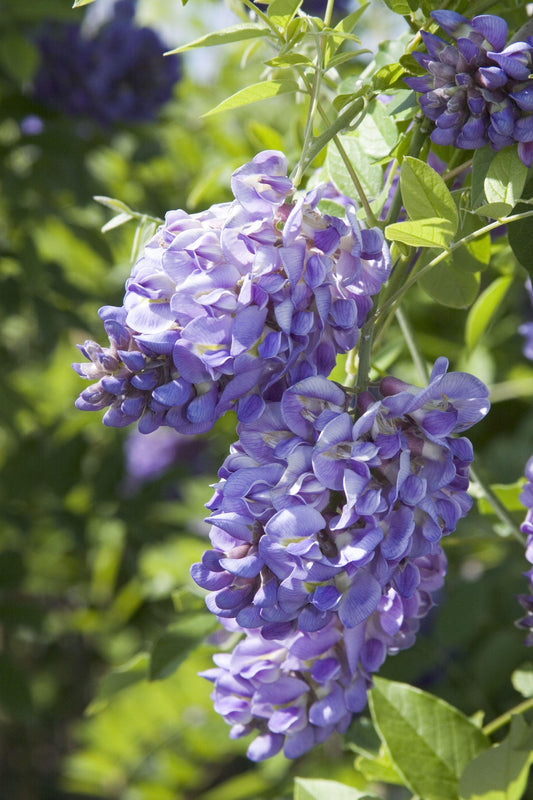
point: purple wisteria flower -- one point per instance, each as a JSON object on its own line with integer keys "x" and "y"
{"x": 228, "y": 307}
{"x": 477, "y": 91}
{"x": 526, "y": 600}
{"x": 317, "y": 516}
{"x": 526, "y": 329}
{"x": 119, "y": 74}
{"x": 293, "y": 692}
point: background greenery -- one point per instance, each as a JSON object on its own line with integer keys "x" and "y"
{"x": 94, "y": 569}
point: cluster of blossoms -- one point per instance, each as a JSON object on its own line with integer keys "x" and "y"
{"x": 119, "y": 74}
{"x": 326, "y": 531}
{"x": 228, "y": 307}
{"x": 477, "y": 91}
{"x": 526, "y": 600}
{"x": 327, "y": 520}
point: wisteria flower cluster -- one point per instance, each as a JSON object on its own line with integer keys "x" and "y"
{"x": 119, "y": 74}
{"x": 228, "y": 307}
{"x": 326, "y": 533}
{"x": 526, "y": 600}
{"x": 478, "y": 91}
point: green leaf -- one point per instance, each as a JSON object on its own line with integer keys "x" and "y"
{"x": 507, "y": 493}
{"x": 480, "y": 165}
{"x": 115, "y": 222}
{"x": 386, "y": 77}
{"x": 399, "y": 6}
{"x": 133, "y": 671}
{"x": 280, "y": 12}
{"x": 424, "y": 192}
{"x": 431, "y": 232}
{"x": 377, "y": 134}
{"x": 173, "y": 647}
{"x": 494, "y": 210}
{"x": 379, "y": 768}
{"x": 484, "y": 309}
{"x": 450, "y": 285}
{"x": 289, "y": 60}
{"x": 18, "y": 57}
{"x": 236, "y": 33}
{"x": 522, "y": 680}
{"x": 500, "y": 773}
{"x": 253, "y": 93}
{"x": 319, "y": 789}
{"x": 369, "y": 174}
{"x": 521, "y": 235}
{"x": 474, "y": 255}
{"x": 80, "y": 3}
{"x": 506, "y": 177}
{"x": 430, "y": 742}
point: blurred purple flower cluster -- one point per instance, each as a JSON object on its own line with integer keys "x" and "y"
{"x": 477, "y": 91}
{"x": 326, "y": 531}
{"x": 526, "y": 600}
{"x": 228, "y": 307}
{"x": 117, "y": 75}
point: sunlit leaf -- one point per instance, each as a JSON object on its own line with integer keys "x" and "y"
{"x": 254, "y": 93}
{"x": 133, "y": 671}
{"x": 319, "y": 789}
{"x": 425, "y": 194}
{"x": 506, "y": 177}
{"x": 522, "y": 680}
{"x": 430, "y": 742}
{"x": 236, "y": 33}
{"x": 280, "y": 12}
{"x": 431, "y": 232}
{"x": 484, "y": 309}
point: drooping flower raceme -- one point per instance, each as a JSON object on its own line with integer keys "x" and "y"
{"x": 477, "y": 91}
{"x": 296, "y": 690}
{"x": 228, "y": 307}
{"x": 317, "y": 516}
{"x": 119, "y": 74}
{"x": 323, "y": 527}
{"x": 526, "y": 600}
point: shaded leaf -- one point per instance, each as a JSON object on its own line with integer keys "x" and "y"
{"x": 369, "y": 174}
{"x": 450, "y": 285}
{"x": 430, "y": 742}
{"x": 500, "y": 773}
{"x": 495, "y": 210}
{"x": 521, "y": 235}
{"x": 480, "y": 165}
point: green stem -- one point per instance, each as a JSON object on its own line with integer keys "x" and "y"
{"x": 328, "y": 13}
{"x": 341, "y": 122}
{"x": 498, "y": 507}
{"x": 504, "y": 719}
{"x": 313, "y": 100}
{"x": 412, "y": 343}
{"x": 365, "y": 349}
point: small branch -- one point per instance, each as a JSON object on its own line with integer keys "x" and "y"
{"x": 412, "y": 343}
{"x": 498, "y": 507}
{"x": 504, "y": 719}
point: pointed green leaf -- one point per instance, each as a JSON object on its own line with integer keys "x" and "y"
{"x": 173, "y": 647}
{"x": 379, "y": 768}
{"x": 80, "y": 3}
{"x": 254, "y": 93}
{"x": 500, "y": 773}
{"x": 289, "y": 60}
{"x": 424, "y": 192}
{"x": 236, "y": 33}
{"x": 506, "y": 177}
{"x": 115, "y": 222}
{"x": 450, "y": 285}
{"x": 432, "y": 232}
{"x": 522, "y": 680}
{"x": 318, "y": 789}
{"x": 430, "y": 742}
{"x": 280, "y": 12}
{"x": 484, "y": 308}
{"x": 113, "y": 204}
{"x": 480, "y": 165}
